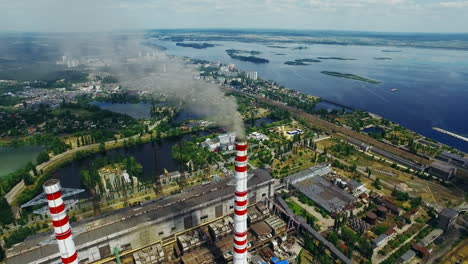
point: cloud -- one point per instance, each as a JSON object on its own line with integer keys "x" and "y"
{"x": 102, "y": 15}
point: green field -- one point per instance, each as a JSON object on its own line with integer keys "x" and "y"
{"x": 350, "y": 76}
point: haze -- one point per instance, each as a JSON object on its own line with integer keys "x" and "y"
{"x": 104, "y": 15}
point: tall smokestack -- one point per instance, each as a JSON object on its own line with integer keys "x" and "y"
{"x": 62, "y": 229}
{"x": 240, "y": 209}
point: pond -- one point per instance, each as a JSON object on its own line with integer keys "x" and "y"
{"x": 138, "y": 110}
{"x": 154, "y": 157}
{"x": 12, "y": 159}
{"x": 374, "y": 129}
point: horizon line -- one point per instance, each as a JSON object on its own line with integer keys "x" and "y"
{"x": 234, "y": 29}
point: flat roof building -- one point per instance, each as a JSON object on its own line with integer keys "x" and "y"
{"x": 128, "y": 228}
{"x": 323, "y": 192}
{"x": 442, "y": 171}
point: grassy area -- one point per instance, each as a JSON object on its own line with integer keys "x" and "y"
{"x": 302, "y": 159}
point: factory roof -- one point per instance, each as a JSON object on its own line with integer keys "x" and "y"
{"x": 453, "y": 156}
{"x": 125, "y": 220}
{"x": 407, "y": 256}
{"x": 445, "y": 167}
{"x": 379, "y": 239}
{"x": 448, "y": 212}
{"x": 353, "y": 184}
{"x": 325, "y": 194}
{"x": 319, "y": 170}
{"x": 261, "y": 229}
{"x": 433, "y": 235}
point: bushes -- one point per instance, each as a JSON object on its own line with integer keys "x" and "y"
{"x": 5, "y": 212}
{"x": 18, "y": 236}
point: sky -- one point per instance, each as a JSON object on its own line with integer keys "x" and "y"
{"x": 444, "y": 16}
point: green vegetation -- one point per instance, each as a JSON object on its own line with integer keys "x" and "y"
{"x": 5, "y": 212}
{"x": 195, "y": 45}
{"x": 317, "y": 250}
{"x": 91, "y": 178}
{"x": 334, "y": 58}
{"x": 67, "y": 119}
{"x": 382, "y": 58}
{"x": 298, "y": 210}
{"x": 238, "y": 55}
{"x": 110, "y": 79}
{"x": 19, "y": 235}
{"x": 193, "y": 156}
{"x": 350, "y": 76}
{"x": 301, "y": 62}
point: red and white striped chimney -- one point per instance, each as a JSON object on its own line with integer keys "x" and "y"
{"x": 240, "y": 209}
{"x": 62, "y": 229}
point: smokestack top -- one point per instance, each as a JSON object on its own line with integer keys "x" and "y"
{"x": 241, "y": 140}
{"x": 51, "y": 182}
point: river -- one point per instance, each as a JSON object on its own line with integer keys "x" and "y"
{"x": 431, "y": 84}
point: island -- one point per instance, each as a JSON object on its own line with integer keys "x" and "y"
{"x": 350, "y": 76}
{"x": 301, "y": 62}
{"x": 382, "y": 58}
{"x": 280, "y": 54}
{"x": 300, "y": 48}
{"x": 334, "y": 58}
{"x": 245, "y": 55}
{"x": 195, "y": 45}
{"x": 391, "y": 50}
{"x": 277, "y": 47}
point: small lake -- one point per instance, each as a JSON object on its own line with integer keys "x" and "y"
{"x": 260, "y": 121}
{"x": 186, "y": 114}
{"x": 12, "y": 159}
{"x": 330, "y": 106}
{"x": 154, "y": 157}
{"x": 138, "y": 110}
{"x": 374, "y": 129}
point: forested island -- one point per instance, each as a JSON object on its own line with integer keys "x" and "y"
{"x": 277, "y": 47}
{"x": 334, "y": 58}
{"x": 195, "y": 45}
{"x": 301, "y": 62}
{"x": 350, "y": 76}
{"x": 241, "y": 55}
{"x": 382, "y": 58}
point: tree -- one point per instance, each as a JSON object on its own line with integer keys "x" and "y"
{"x": 2, "y": 253}
{"x": 5, "y": 212}
{"x": 43, "y": 157}
{"x": 102, "y": 147}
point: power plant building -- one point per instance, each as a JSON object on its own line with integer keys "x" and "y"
{"x": 157, "y": 220}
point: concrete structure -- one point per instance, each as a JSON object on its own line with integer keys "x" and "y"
{"x": 252, "y": 75}
{"x": 318, "y": 170}
{"x": 380, "y": 240}
{"x": 371, "y": 218}
{"x": 356, "y": 188}
{"x": 323, "y": 192}
{"x": 156, "y": 220}
{"x": 62, "y": 229}
{"x": 382, "y": 211}
{"x": 454, "y": 159}
{"x": 240, "y": 209}
{"x": 447, "y": 218}
{"x": 405, "y": 258}
{"x": 442, "y": 171}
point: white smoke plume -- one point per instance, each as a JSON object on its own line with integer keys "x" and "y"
{"x": 175, "y": 79}
{"x": 101, "y": 29}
